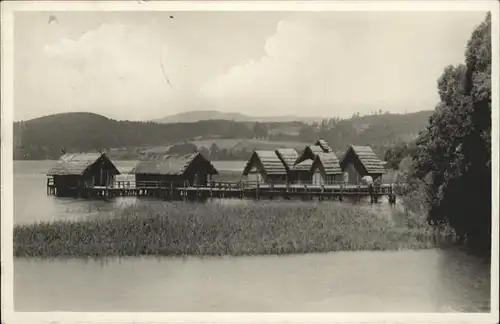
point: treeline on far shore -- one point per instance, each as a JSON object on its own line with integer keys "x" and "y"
{"x": 43, "y": 138}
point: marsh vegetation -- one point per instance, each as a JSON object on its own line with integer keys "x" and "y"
{"x": 218, "y": 229}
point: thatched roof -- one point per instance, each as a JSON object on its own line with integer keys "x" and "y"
{"x": 269, "y": 160}
{"x": 171, "y": 164}
{"x": 78, "y": 163}
{"x": 287, "y": 156}
{"x": 365, "y": 154}
{"x": 330, "y": 163}
{"x": 324, "y": 145}
{"x": 316, "y": 149}
{"x": 309, "y": 152}
{"x": 305, "y": 165}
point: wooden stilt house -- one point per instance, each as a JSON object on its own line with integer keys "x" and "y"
{"x": 361, "y": 161}
{"x": 303, "y": 172}
{"x": 325, "y": 169}
{"x": 174, "y": 170}
{"x": 265, "y": 167}
{"x": 309, "y": 153}
{"x": 303, "y": 164}
{"x": 76, "y": 171}
{"x": 288, "y": 158}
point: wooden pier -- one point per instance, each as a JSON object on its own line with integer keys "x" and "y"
{"x": 237, "y": 189}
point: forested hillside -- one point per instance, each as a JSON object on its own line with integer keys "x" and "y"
{"x": 43, "y": 138}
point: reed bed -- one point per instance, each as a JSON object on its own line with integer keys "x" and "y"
{"x": 177, "y": 229}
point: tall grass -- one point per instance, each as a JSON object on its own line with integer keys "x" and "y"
{"x": 212, "y": 229}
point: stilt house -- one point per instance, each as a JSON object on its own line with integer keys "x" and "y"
{"x": 309, "y": 153}
{"x": 303, "y": 164}
{"x": 303, "y": 172}
{"x": 265, "y": 167}
{"x": 325, "y": 169}
{"x": 288, "y": 158}
{"x": 174, "y": 170}
{"x": 360, "y": 161}
{"x": 75, "y": 171}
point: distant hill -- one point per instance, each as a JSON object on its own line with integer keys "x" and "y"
{"x": 198, "y": 115}
{"x": 43, "y": 138}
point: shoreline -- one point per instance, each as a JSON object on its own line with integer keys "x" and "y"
{"x": 161, "y": 258}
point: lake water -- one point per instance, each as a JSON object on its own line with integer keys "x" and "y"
{"x": 391, "y": 281}
{"x": 31, "y": 203}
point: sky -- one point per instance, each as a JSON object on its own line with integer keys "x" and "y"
{"x": 148, "y": 65}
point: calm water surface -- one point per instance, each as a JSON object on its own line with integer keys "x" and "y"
{"x": 31, "y": 203}
{"x": 405, "y": 281}
{"x": 408, "y": 281}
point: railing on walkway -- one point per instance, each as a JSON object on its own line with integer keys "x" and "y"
{"x": 241, "y": 185}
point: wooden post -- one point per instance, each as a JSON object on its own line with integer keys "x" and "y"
{"x": 184, "y": 192}
{"x": 392, "y": 196}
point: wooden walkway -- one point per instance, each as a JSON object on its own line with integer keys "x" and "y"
{"x": 240, "y": 189}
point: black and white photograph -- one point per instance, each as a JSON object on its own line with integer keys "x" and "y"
{"x": 250, "y": 157}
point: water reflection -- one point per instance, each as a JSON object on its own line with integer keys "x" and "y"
{"x": 465, "y": 280}
{"x": 405, "y": 281}
{"x": 31, "y": 203}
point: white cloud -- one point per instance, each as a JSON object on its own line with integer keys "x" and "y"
{"x": 284, "y": 73}
{"x": 118, "y": 67}
{"x": 319, "y": 66}
{"x": 312, "y": 64}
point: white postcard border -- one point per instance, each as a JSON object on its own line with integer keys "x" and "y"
{"x": 7, "y": 104}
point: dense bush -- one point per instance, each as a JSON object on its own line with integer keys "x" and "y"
{"x": 454, "y": 152}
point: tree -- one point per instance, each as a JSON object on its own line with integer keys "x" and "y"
{"x": 455, "y": 149}
{"x": 394, "y": 155}
{"x": 214, "y": 151}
